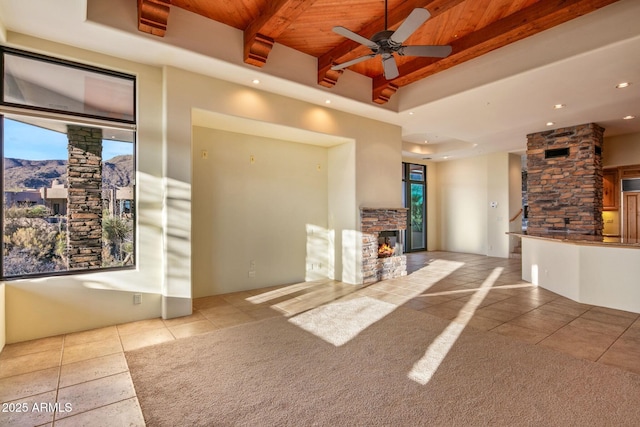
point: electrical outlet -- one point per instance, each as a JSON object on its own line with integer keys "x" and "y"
{"x": 252, "y": 274}
{"x": 252, "y": 264}
{"x": 137, "y": 298}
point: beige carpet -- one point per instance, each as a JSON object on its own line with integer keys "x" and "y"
{"x": 277, "y": 373}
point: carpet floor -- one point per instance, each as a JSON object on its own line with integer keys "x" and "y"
{"x": 363, "y": 363}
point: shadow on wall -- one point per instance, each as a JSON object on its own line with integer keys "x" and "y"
{"x": 177, "y": 239}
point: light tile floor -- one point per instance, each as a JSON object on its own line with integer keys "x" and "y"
{"x": 88, "y": 369}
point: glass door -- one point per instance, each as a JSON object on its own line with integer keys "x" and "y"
{"x": 414, "y": 184}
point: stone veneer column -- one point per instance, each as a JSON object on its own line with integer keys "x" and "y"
{"x": 565, "y": 192}
{"x": 84, "y": 200}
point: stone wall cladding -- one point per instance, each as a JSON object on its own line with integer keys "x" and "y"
{"x": 84, "y": 211}
{"x": 372, "y": 222}
{"x": 565, "y": 193}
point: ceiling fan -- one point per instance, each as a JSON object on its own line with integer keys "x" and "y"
{"x": 386, "y": 43}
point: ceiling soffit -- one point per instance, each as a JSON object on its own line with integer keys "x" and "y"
{"x": 472, "y": 27}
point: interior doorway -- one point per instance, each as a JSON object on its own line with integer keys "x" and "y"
{"x": 631, "y": 218}
{"x": 414, "y": 197}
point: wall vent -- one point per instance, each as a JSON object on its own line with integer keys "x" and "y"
{"x": 554, "y": 153}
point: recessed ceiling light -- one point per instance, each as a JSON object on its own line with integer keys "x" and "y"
{"x": 559, "y": 106}
{"x": 411, "y": 113}
{"x": 628, "y": 117}
{"x": 622, "y": 85}
{"x": 426, "y": 141}
{"x": 445, "y": 157}
{"x": 327, "y": 101}
{"x": 550, "y": 123}
{"x": 255, "y": 81}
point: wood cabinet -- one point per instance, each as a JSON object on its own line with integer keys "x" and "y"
{"x": 610, "y": 190}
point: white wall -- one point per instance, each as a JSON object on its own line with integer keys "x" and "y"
{"x": 50, "y": 306}
{"x": 606, "y": 276}
{"x": 268, "y": 216}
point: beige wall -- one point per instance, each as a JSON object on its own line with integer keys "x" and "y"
{"x": 344, "y": 255}
{"x": 621, "y": 150}
{"x": 166, "y": 100}
{"x": 462, "y": 200}
{"x": 377, "y": 157}
{"x": 268, "y": 216}
{"x": 466, "y": 187}
{"x": 51, "y": 306}
{"x": 3, "y": 335}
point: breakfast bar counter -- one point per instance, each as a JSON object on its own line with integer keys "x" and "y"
{"x": 605, "y": 272}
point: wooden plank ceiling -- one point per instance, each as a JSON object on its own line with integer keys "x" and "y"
{"x": 471, "y": 27}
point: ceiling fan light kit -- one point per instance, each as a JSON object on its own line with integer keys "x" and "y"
{"x": 386, "y": 43}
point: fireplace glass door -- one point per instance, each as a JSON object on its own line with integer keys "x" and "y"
{"x": 414, "y": 186}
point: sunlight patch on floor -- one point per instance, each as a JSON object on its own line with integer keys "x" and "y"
{"x": 286, "y": 290}
{"x": 341, "y": 321}
{"x": 466, "y": 291}
{"x": 424, "y": 369}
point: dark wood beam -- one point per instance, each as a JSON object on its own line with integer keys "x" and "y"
{"x": 538, "y": 17}
{"x": 260, "y": 35}
{"x": 153, "y": 16}
{"x": 349, "y": 49}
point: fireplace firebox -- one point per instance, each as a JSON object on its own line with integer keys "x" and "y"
{"x": 389, "y": 243}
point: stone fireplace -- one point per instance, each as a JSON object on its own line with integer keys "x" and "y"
{"x": 382, "y": 256}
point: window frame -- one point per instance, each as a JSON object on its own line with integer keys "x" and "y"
{"x": 407, "y": 180}
{"x": 71, "y": 64}
{"x": 69, "y": 117}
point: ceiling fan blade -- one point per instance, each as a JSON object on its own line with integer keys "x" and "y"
{"x": 428, "y": 51}
{"x": 417, "y": 17}
{"x": 355, "y": 37}
{"x": 390, "y": 68}
{"x": 353, "y": 61}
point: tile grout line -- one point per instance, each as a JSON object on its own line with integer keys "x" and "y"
{"x": 53, "y": 418}
{"x": 616, "y": 340}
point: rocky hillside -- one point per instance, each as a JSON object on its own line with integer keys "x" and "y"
{"x": 20, "y": 174}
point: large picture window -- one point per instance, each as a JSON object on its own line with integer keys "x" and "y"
{"x": 68, "y": 152}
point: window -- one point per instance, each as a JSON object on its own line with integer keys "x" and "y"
{"x": 413, "y": 196}
{"x": 68, "y": 143}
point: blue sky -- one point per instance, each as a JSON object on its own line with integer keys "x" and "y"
{"x": 23, "y": 141}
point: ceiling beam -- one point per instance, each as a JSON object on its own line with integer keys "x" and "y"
{"x": 349, "y": 49}
{"x": 260, "y": 35}
{"x": 153, "y": 16}
{"x": 538, "y": 17}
